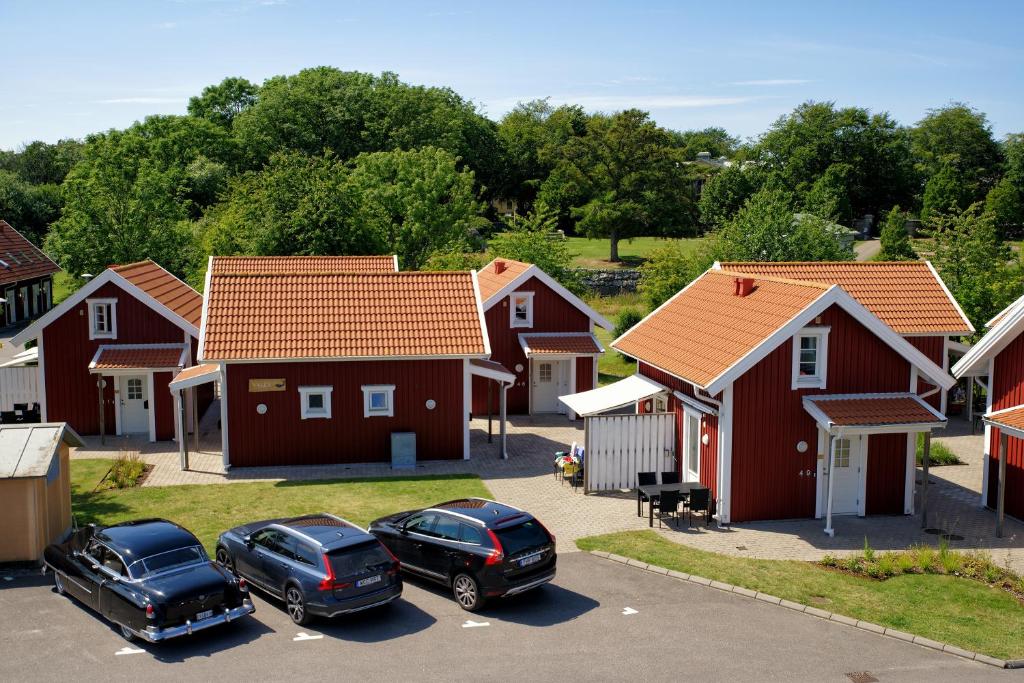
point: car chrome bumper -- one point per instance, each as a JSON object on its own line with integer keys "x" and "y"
{"x": 155, "y": 635}
{"x": 360, "y": 608}
{"x": 516, "y": 590}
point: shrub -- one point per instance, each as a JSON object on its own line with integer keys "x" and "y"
{"x": 938, "y": 454}
{"x": 126, "y": 471}
{"x": 926, "y": 558}
{"x": 869, "y": 552}
{"x": 627, "y": 319}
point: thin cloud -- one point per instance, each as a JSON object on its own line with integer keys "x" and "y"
{"x": 143, "y": 100}
{"x": 773, "y": 81}
{"x": 167, "y": 25}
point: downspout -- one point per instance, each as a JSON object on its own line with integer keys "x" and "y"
{"x": 831, "y": 464}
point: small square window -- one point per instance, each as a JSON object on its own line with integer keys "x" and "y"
{"x": 379, "y": 400}
{"x": 134, "y": 389}
{"x": 810, "y": 356}
{"x": 316, "y": 402}
{"x": 521, "y": 313}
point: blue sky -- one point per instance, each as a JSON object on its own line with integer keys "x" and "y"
{"x": 70, "y": 68}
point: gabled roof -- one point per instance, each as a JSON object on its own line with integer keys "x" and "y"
{"x": 1005, "y": 327}
{"x": 1009, "y": 420}
{"x": 27, "y": 450}
{"x": 305, "y": 264}
{"x": 161, "y": 285}
{"x": 908, "y": 296}
{"x": 282, "y": 315}
{"x": 709, "y": 336}
{"x": 146, "y": 281}
{"x": 495, "y": 286}
{"x": 863, "y": 413}
{"x": 19, "y": 258}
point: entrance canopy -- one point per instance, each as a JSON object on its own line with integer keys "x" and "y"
{"x": 559, "y": 344}
{"x": 194, "y": 376}
{"x": 620, "y": 394}
{"x": 1009, "y": 421}
{"x": 491, "y": 370}
{"x": 845, "y": 414}
{"x": 114, "y": 358}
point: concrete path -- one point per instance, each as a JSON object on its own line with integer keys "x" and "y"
{"x": 867, "y": 249}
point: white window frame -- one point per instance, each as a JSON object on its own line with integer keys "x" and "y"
{"x": 369, "y": 390}
{"x": 690, "y": 437}
{"x": 315, "y": 413}
{"x": 818, "y": 380}
{"x": 512, "y": 320}
{"x": 93, "y": 304}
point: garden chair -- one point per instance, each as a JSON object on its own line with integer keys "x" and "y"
{"x": 643, "y": 479}
{"x": 667, "y": 503}
{"x": 700, "y": 500}
{"x": 670, "y": 478}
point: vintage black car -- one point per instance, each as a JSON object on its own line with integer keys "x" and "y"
{"x": 150, "y": 577}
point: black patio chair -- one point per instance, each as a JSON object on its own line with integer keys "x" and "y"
{"x": 670, "y": 478}
{"x": 8, "y": 417}
{"x": 20, "y": 407}
{"x": 643, "y": 479}
{"x": 700, "y": 500}
{"x": 667, "y": 503}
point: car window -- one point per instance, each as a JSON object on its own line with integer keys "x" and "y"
{"x": 470, "y": 534}
{"x": 529, "y": 534}
{"x": 359, "y": 559}
{"x": 306, "y": 554}
{"x": 266, "y": 538}
{"x": 446, "y": 528}
{"x": 421, "y": 524}
{"x": 286, "y": 546}
{"x": 112, "y": 562}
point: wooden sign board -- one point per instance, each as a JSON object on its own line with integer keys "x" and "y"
{"x": 260, "y": 385}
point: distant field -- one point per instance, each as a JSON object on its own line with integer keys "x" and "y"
{"x": 613, "y": 366}
{"x": 593, "y": 253}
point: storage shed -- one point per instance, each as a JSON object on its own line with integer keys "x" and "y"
{"x": 35, "y": 487}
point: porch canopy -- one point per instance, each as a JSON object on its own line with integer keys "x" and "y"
{"x": 618, "y": 395}
{"x": 112, "y": 359}
{"x": 553, "y": 344}
{"x": 493, "y": 370}
{"x": 845, "y": 415}
{"x": 1009, "y": 422}
{"x": 189, "y": 378}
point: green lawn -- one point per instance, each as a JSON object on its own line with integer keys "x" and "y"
{"x": 963, "y": 612}
{"x": 207, "y": 510}
{"x": 613, "y": 366}
{"x": 63, "y": 286}
{"x": 593, "y": 253}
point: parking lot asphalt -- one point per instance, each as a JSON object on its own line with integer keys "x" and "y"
{"x": 598, "y": 621}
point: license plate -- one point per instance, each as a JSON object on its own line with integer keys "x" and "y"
{"x": 204, "y": 615}
{"x": 367, "y": 582}
{"x": 532, "y": 559}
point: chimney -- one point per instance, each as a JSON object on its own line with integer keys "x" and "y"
{"x": 744, "y": 286}
{"x": 499, "y": 267}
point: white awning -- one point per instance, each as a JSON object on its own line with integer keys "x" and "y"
{"x": 622, "y": 393}
{"x": 28, "y": 357}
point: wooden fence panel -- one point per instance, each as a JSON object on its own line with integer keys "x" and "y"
{"x": 619, "y": 446}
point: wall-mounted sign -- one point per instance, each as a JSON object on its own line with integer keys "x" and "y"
{"x": 259, "y": 385}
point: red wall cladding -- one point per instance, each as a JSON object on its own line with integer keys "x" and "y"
{"x": 769, "y": 419}
{"x": 932, "y": 347}
{"x": 584, "y": 374}
{"x": 71, "y": 394}
{"x": 281, "y": 437}
{"x": 1007, "y": 392}
{"x": 164, "y": 406}
{"x": 887, "y": 471}
{"x": 551, "y": 313}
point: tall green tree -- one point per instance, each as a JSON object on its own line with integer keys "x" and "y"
{"x": 42, "y": 163}
{"x": 958, "y": 140}
{"x": 714, "y": 140}
{"x": 726, "y": 192}
{"x": 1006, "y": 205}
{"x": 629, "y": 179}
{"x": 828, "y": 197}
{"x": 532, "y": 239}
{"x": 221, "y": 103}
{"x": 29, "y": 208}
{"x": 895, "y": 241}
{"x": 944, "y": 192}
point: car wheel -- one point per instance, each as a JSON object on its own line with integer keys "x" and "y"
{"x": 127, "y": 633}
{"x": 296, "y": 605}
{"x": 467, "y": 592}
{"x": 58, "y": 583}
{"x": 224, "y": 559}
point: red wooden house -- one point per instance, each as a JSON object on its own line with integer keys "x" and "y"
{"x": 26, "y": 277}
{"x": 108, "y": 351}
{"x": 539, "y": 331}
{"x": 319, "y": 364}
{"x": 997, "y": 362}
{"x": 776, "y": 383}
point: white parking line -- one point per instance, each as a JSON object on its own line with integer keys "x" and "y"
{"x": 129, "y": 651}
{"x": 305, "y": 636}
{"x": 475, "y": 624}
{"x": 629, "y": 610}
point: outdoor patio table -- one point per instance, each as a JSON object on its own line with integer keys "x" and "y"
{"x": 653, "y": 491}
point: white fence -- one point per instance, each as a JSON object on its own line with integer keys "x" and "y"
{"x": 619, "y": 446}
{"x": 18, "y": 385}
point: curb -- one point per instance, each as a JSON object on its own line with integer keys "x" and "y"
{"x": 820, "y": 613}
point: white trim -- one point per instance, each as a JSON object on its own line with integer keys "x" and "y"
{"x": 944, "y": 393}
{"x": 957, "y": 347}
{"x": 949, "y": 294}
{"x": 467, "y": 406}
{"x": 822, "y": 419}
{"x": 684, "y": 457}
{"x": 479, "y": 309}
{"x": 986, "y": 448}
{"x": 206, "y": 308}
{"x": 725, "y": 456}
{"x": 819, "y": 466}
{"x": 111, "y": 323}
{"x": 514, "y": 322}
{"x": 176, "y": 385}
{"x": 831, "y": 486}
{"x": 910, "y": 475}
{"x": 479, "y": 371}
{"x": 594, "y": 381}
{"x": 42, "y": 378}
{"x": 820, "y": 379}
{"x": 572, "y": 387}
{"x": 108, "y": 276}
{"x": 224, "y": 441}
{"x": 694, "y": 403}
{"x": 152, "y": 408}
{"x": 395, "y": 257}
{"x": 369, "y": 390}
{"x": 324, "y": 391}
{"x": 118, "y": 429}
{"x": 997, "y": 339}
{"x": 534, "y": 271}
{"x": 862, "y": 475}
{"x": 1002, "y": 313}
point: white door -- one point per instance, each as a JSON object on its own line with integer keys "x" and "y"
{"x": 691, "y": 445}
{"x": 548, "y": 384}
{"x": 134, "y": 405}
{"x": 846, "y": 488}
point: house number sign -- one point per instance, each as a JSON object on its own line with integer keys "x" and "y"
{"x": 261, "y": 385}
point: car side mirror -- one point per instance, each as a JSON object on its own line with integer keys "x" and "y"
{"x": 248, "y": 542}
{"x": 403, "y": 529}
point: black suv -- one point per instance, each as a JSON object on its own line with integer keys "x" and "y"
{"x": 479, "y": 548}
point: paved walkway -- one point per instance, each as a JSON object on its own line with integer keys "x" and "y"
{"x": 525, "y": 480}
{"x": 868, "y": 249}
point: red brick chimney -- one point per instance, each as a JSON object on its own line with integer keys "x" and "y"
{"x": 499, "y": 267}
{"x": 744, "y": 286}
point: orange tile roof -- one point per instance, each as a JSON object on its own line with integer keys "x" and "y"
{"x": 906, "y": 295}
{"x": 1012, "y": 418}
{"x": 541, "y": 344}
{"x": 266, "y": 265}
{"x": 129, "y": 357}
{"x": 197, "y": 371}
{"x": 705, "y": 329}
{"x": 491, "y": 282}
{"x": 165, "y": 288}
{"x": 341, "y": 315}
{"x": 19, "y": 258}
{"x": 875, "y": 411}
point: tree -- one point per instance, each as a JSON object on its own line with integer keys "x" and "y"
{"x": 958, "y": 138}
{"x": 221, "y": 103}
{"x": 894, "y": 238}
{"x": 41, "y": 163}
{"x": 1013, "y": 149}
{"x": 1005, "y": 204}
{"x": 943, "y": 193}
{"x": 29, "y": 208}
{"x": 629, "y": 177}
{"x": 715, "y": 141}
{"x": 980, "y": 271}
{"x": 532, "y": 239}
{"x": 799, "y": 149}
{"x": 417, "y": 202}
{"x": 671, "y": 267}
{"x": 725, "y": 193}
{"x": 828, "y": 196}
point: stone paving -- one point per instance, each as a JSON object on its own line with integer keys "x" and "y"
{"x": 526, "y": 480}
